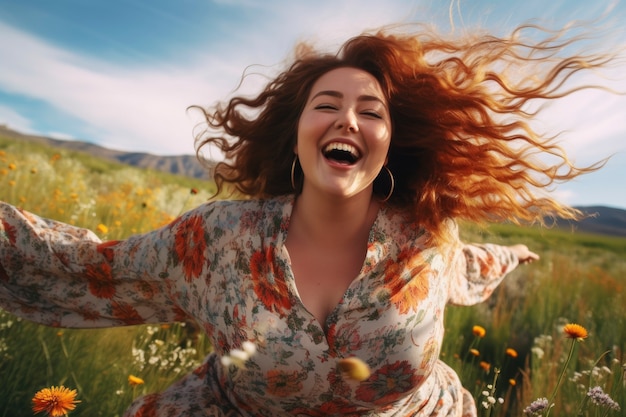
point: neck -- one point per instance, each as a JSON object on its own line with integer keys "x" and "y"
{"x": 333, "y": 221}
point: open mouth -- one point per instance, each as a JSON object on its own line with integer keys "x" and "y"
{"x": 342, "y": 153}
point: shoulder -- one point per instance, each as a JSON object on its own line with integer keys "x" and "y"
{"x": 254, "y": 213}
{"x": 267, "y": 206}
{"x": 401, "y": 225}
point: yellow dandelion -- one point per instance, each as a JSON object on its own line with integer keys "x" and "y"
{"x": 135, "y": 380}
{"x": 479, "y": 331}
{"x": 102, "y": 229}
{"x": 511, "y": 352}
{"x": 354, "y": 368}
{"x": 575, "y": 331}
{"x": 56, "y": 401}
{"x": 474, "y": 352}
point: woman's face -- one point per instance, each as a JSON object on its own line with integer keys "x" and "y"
{"x": 344, "y": 133}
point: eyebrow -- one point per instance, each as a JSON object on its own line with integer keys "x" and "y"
{"x": 334, "y": 93}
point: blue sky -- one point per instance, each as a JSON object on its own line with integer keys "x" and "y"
{"x": 122, "y": 73}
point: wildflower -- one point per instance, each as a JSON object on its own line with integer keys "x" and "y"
{"x": 354, "y": 368}
{"x": 538, "y": 352}
{"x": 512, "y": 382}
{"x": 12, "y": 166}
{"x": 102, "y": 228}
{"x": 56, "y": 401}
{"x": 193, "y": 191}
{"x": 479, "y": 331}
{"x": 575, "y": 331}
{"x": 486, "y": 366}
{"x": 511, "y": 352}
{"x": 599, "y": 397}
{"x": 238, "y": 357}
{"x": 474, "y": 352}
{"x": 134, "y": 380}
{"x": 537, "y": 406}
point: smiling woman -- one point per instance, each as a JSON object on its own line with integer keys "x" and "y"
{"x": 323, "y": 289}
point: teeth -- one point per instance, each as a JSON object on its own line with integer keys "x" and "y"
{"x": 337, "y": 146}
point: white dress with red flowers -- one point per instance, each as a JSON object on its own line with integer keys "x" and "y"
{"x": 224, "y": 265}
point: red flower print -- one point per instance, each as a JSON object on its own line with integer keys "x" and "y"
{"x": 10, "y": 232}
{"x": 388, "y": 383}
{"x": 126, "y": 313}
{"x": 146, "y": 289}
{"x": 149, "y": 407}
{"x": 189, "y": 246}
{"x": 407, "y": 281}
{"x": 410, "y": 296}
{"x": 101, "y": 282}
{"x": 106, "y": 249}
{"x": 202, "y": 370}
{"x": 269, "y": 282}
{"x": 88, "y": 314}
{"x": 283, "y": 384}
{"x": 179, "y": 314}
{"x": 487, "y": 265}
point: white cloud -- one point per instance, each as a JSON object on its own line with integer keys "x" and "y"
{"x": 137, "y": 108}
{"x": 14, "y": 120}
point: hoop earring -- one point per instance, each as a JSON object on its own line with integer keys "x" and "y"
{"x": 393, "y": 185}
{"x": 293, "y": 173}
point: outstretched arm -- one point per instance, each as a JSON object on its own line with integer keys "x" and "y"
{"x": 524, "y": 255}
{"x": 60, "y": 275}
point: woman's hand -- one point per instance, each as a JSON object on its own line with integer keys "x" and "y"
{"x": 524, "y": 255}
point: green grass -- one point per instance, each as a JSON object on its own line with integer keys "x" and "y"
{"x": 580, "y": 278}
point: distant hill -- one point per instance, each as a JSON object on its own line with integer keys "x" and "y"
{"x": 186, "y": 165}
{"x": 602, "y": 220}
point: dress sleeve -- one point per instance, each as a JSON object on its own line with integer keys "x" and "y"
{"x": 60, "y": 275}
{"x": 477, "y": 269}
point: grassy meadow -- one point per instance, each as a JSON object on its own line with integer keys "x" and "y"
{"x": 509, "y": 351}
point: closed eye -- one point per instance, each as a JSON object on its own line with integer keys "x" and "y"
{"x": 325, "y": 107}
{"x": 372, "y": 114}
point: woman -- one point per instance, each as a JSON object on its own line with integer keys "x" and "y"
{"x": 355, "y": 167}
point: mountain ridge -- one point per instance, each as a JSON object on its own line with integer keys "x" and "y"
{"x": 185, "y": 165}
{"x": 601, "y": 220}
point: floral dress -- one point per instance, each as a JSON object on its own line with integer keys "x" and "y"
{"x": 224, "y": 265}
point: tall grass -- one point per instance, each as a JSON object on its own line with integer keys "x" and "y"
{"x": 580, "y": 278}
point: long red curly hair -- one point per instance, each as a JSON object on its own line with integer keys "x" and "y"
{"x": 462, "y": 144}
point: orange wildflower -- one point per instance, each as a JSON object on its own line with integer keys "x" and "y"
{"x": 512, "y": 382}
{"x": 134, "y": 380}
{"x": 486, "y": 366}
{"x": 575, "y": 331}
{"x": 479, "y": 331}
{"x": 474, "y": 352}
{"x": 56, "y": 401}
{"x": 511, "y": 352}
{"x": 354, "y": 368}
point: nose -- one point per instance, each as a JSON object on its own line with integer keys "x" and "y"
{"x": 347, "y": 120}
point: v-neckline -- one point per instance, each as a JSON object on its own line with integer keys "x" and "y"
{"x": 283, "y": 253}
